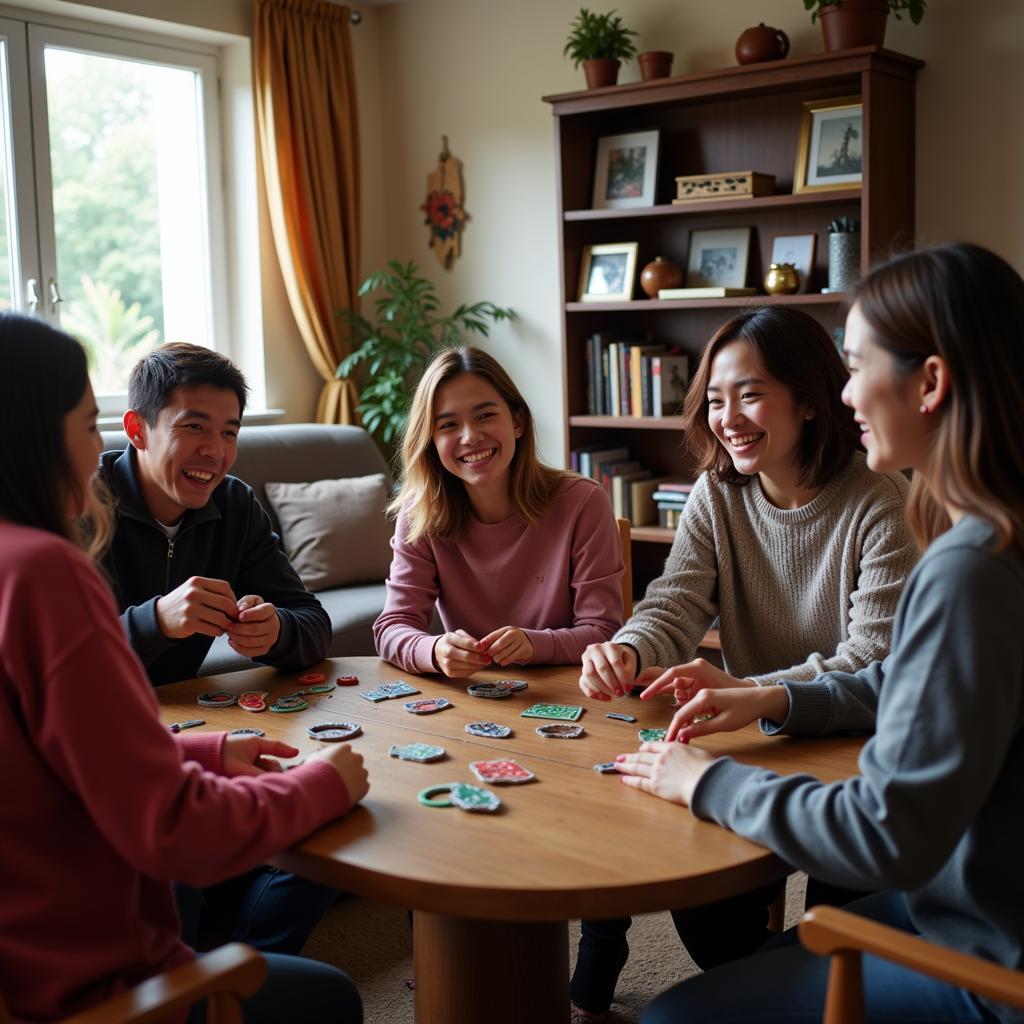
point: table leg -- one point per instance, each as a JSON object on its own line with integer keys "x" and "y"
{"x": 502, "y": 972}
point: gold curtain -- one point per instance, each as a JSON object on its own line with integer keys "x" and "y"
{"x": 309, "y": 140}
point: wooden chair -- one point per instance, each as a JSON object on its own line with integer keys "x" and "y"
{"x": 627, "y": 560}
{"x": 223, "y": 977}
{"x": 829, "y": 931}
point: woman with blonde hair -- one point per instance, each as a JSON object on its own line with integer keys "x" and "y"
{"x": 522, "y": 561}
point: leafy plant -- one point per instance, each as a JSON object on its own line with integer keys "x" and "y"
{"x": 915, "y": 8}
{"x": 397, "y": 344}
{"x": 598, "y": 35}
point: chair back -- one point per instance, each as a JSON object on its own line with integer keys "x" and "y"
{"x": 627, "y": 561}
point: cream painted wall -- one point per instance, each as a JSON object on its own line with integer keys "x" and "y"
{"x": 475, "y": 70}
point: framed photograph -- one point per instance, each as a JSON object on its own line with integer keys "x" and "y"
{"x": 608, "y": 272}
{"x": 798, "y": 250}
{"x": 718, "y": 258}
{"x": 626, "y": 171}
{"x": 831, "y": 145}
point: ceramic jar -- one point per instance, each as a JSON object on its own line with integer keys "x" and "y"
{"x": 660, "y": 274}
{"x": 843, "y": 260}
{"x": 782, "y": 279}
{"x": 761, "y": 43}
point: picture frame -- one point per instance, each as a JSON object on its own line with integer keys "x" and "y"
{"x": 830, "y": 154}
{"x": 718, "y": 258}
{"x": 626, "y": 170}
{"x": 608, "y": 272}
{"x": 798, "y": 250}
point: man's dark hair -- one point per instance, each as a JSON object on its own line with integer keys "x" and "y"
{"x": 180, "y": 365}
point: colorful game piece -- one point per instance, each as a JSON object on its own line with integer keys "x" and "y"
{"x": 318, "y": 688}
{"x": 473, "y": 798}
{"x": 292, "y": 703}
{"x": 500, "y": 772}
{"x": 428, "y": 706}
{"x": 620, "y": 717}
{"x": 347, "y": 680}
{"x": 421, "y": 752}
{"x": 605, "y": 767}
{"x": 216, "y": 699}
{"x": 565, "y": 712}
{"x": 190, "y": 724}
{"x": 247, "y": 732}
{"x": 491, "y": 690}
{"x": 650, "y": 735}
{"x": 514, "y": 685}
{"x": 312, "y": 679}
{"x": 254, "y": 700}
{"x": 334, "y": 732}
{"x": 429, "y": 796}
{"x": 558, "y": 731}
{"x": 389, "y": 691}
{"x": 492, "y": 730}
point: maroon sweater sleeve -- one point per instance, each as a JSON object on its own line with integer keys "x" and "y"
{"x": 92, "y": 717}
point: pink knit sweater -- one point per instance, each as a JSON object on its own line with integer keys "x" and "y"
{"x": 558, "y": 580}
{"x": 102, "y": 806}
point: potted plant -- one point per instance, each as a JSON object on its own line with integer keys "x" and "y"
{"x": 599, "y": 42}
{"x": 846, "y": 23}
{"x": 397, "y": 344}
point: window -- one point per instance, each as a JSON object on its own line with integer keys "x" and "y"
{"x": 110, "y": 170}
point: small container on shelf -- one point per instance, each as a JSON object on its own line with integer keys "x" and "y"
{"x": 731, "y": 185}
{"x": 662, "y": 273}
{"x": 781, "y": 279}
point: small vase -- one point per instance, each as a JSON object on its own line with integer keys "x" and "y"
{"x": 655, "y": 64}
{"x": 761, "y": 43}
{"x": 601, "y": 71}
{"x": 782, "y": 279}
{"x": 853, "y": 23}
{"x": 660, "y": 274}
{"x": 843, "y": 260}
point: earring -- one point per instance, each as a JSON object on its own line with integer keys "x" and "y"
{"x": 923, "y": 410}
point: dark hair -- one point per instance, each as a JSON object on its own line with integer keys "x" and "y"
{"x": 965, "y": 304}
{"x": 45, "y": 375}
{"x": 797, "y": 352}
{"x": 180, "y": 365}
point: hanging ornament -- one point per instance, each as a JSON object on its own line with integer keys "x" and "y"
{"x": 445, "y": 215}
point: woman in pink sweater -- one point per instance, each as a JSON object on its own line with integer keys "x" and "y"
{"x": 103, "y": 807}
{"x": 523, "y": 562}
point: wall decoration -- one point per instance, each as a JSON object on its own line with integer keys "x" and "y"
{"x": 798, "y": 250}
{"x": 607, "y": 272}
{"x": 831, "y": 145}
{"x": 718, "y": 258}
{"x": 626, "y": 171}
{"x": 445, "y": 216}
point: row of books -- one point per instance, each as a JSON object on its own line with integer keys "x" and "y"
{"x": 669, "y": 500}
{"x": 630, "y": 376}
{"x": 632, "y": 487}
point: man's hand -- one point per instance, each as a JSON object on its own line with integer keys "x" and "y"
{"x": 199, "y": 605}
{"x": 244, "y": 755}
{"x": 608, "y": 670}
{"x": 349, "y": 765}
{"x": 458, "y": 654}
{"x": 507, "y": 646}
{"x": 668, "y": 770}
{"x": 257, "y": 628}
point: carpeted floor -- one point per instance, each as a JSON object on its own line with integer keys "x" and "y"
{"x": 373, "y": 944}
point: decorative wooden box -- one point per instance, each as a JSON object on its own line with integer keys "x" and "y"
{"x": 732, "y": 185}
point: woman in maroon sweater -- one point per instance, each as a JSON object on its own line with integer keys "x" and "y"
{"x": 103, "y": 807}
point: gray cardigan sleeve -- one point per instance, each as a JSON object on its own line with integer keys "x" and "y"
{"x": 949, "y": 705}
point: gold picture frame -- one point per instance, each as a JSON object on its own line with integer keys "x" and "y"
{"x": 608, "y": 272}
{"x": 825, "y": 125}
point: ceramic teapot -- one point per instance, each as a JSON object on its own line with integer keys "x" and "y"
{"x": 761, "y": 43}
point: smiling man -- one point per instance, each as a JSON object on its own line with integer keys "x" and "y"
{"x": 194, "y": 555}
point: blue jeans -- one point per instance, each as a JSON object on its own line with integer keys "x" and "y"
{"x": 271, "y": 910}
{"x": 784, "y": 984}
{"x": 298, "y": 990}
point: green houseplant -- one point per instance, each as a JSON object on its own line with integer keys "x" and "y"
{"x": 847, "y": 23}
{"x": 395, "y": 346}
{"x": 599, "y": 42}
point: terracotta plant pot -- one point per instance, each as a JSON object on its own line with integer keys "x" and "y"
{"x": 854, "y": 23}
{"x": 661, "y": 273}
{"x": 655, "y": 64}
{"x": 601, "y": 71}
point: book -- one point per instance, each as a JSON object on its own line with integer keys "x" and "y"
{"x": 669, "y": 378}
{"x": 669, "y": 498}
{"x": 595, "y": 460}
{"x": 642, "y": 510}
{"x": 682, "y": 486}
{"x": 637, "y": 355}
{"x": 613, "y": 469}
{"x": 705, "y": 292}
{"x": 622, "y": 493}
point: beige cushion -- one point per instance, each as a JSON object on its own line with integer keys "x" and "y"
{"x": 335, "y": 532}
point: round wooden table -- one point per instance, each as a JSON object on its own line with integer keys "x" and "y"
{"x": 492, "y": 893}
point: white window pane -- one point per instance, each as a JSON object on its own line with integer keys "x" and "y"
{"x": 8, "y": 243}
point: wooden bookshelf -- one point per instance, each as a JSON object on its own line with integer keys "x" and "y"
{"x": 740, "y": 118}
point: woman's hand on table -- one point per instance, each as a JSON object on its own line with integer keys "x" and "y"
{"x": 458, "y": 654}
{"x": 349, "y": 765}
{"x": 664, "y": 769}
{"x": 711, "y": 711}
{"x": 508, "y": 645}
{"x": 246, "y": 755}
{"x": 685, "y": 680}
{"x": 608, "y": 670}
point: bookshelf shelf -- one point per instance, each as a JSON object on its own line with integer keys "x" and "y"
{"x": 652, "y": 534}
{"x": 629, "y": 422}
{"x": 738, "y": 302}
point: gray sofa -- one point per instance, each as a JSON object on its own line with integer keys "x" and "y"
{"x": 301, "y": 453}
